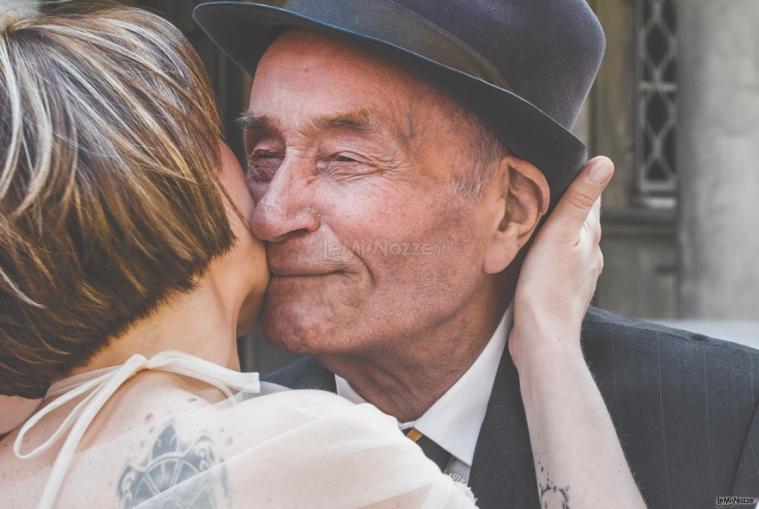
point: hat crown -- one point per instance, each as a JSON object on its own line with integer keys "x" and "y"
{"x": 548, "y": 51}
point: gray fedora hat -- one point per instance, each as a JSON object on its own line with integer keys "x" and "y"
{"x": 525, "y": 66}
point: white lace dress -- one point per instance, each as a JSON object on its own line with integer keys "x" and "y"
{"x": 262, "y": 447}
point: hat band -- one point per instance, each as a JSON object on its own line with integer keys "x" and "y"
{"x": 404, "y": 29}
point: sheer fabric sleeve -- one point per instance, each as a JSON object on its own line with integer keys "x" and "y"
{"x": 296, "y": 449}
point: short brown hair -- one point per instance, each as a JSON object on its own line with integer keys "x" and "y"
{"x": 109, "y": 201}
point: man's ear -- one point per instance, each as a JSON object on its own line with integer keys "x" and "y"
{"x": 521, "y": 201}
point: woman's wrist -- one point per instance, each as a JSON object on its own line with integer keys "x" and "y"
{"x": 537, "y": 350}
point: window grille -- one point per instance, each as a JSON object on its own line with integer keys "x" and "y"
{"x": 656, "y": 174}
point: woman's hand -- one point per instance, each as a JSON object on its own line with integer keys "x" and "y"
{"x": 559, "y": 275}
{"x": 575, "y": 447}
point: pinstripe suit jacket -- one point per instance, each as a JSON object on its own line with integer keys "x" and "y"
{"x": 684, "y": 406}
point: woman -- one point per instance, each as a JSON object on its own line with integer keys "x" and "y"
{"x": 127, "y": 272}
{"x": 14, "y": 411}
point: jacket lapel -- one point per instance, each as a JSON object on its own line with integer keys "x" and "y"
{"x": 503, "y": 472}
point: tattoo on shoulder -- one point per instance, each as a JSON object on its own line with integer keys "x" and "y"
{"x": 163, "y": 474}
{"x": 551, "y": 495}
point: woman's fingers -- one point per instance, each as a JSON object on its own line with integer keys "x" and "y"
{"x": 560, "y": 272}
{"x": 594, "y": 221}
{"x": 583, "y": 195}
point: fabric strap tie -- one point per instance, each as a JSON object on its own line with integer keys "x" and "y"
{"x": 97, "y": 387}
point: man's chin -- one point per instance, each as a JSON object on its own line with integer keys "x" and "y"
{"x": 283, "y": 327}
{"x": 286, "y": 342}
{"x": 301, "y": 329}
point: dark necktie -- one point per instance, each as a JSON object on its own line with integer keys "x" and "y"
{"x": 437, "y": 454}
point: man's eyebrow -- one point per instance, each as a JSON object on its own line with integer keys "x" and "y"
{"x": 358, "y": 120}
{"x": 258, "y": 124}
{"x": 362, "y": 121}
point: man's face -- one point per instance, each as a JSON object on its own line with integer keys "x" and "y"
{"x": 351, "y": 162}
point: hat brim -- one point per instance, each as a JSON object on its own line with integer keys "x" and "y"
{"x": 243, "y": 31}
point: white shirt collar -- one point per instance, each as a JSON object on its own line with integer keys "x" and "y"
{"x": 454, "y": 421}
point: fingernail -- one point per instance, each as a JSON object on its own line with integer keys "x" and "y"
{"x": 599, "y": 171}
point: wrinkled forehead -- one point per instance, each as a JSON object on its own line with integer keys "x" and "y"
{"x": 296, "y": 43}
{"x": 309, "y": 70}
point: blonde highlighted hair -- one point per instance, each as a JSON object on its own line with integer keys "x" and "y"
{"x": 109, "y": 201}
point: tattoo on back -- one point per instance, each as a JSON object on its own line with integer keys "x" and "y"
{"x": 161, "y": 477}
{"x": 552, "y": 496}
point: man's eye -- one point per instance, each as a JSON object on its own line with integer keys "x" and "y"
{"x": 262, "y": 165}
{"x": 344, "y": 165}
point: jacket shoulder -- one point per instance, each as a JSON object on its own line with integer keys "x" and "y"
{"x": 682, "y": 404}
{"x": 656, "y": 354}
{"x": 604, "y": 326}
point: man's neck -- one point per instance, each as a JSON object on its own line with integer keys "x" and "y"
{"x": 406, "y": 379}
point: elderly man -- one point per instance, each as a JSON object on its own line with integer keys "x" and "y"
{"x": 402, "y": 154}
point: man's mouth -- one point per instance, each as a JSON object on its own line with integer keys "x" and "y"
{"x": 280, "y": 272}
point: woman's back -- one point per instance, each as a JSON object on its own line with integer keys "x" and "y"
{"x": 164, "y": 438}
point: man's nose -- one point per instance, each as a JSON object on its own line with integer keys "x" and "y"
{"x": 286, "y": 207}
